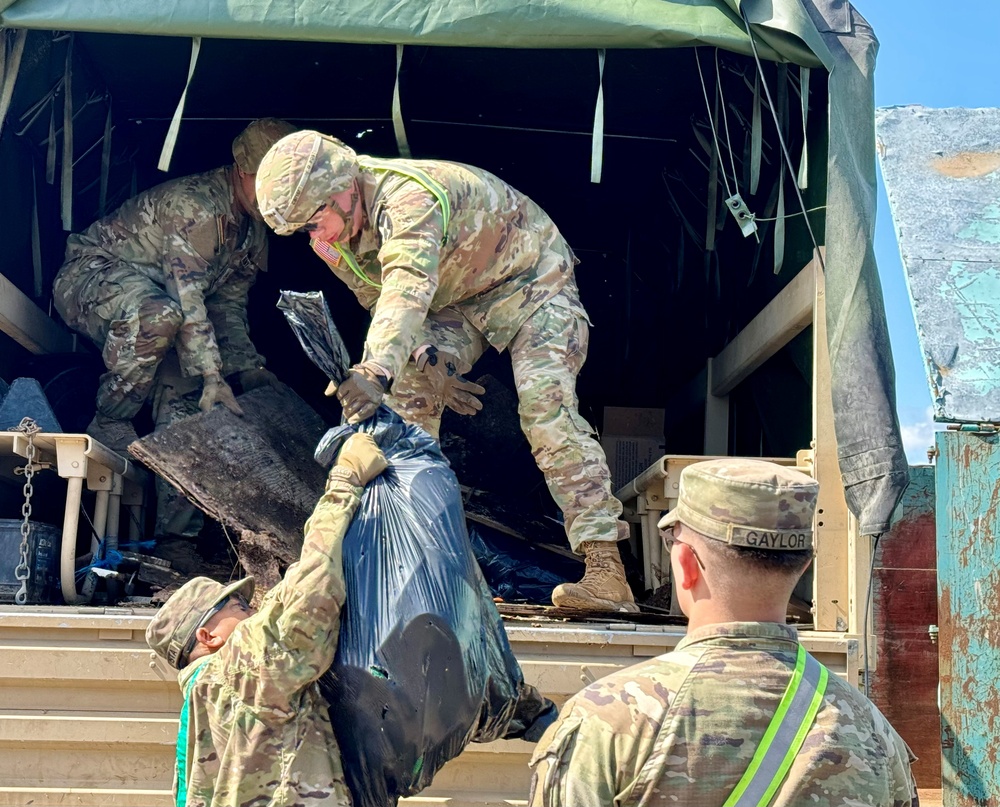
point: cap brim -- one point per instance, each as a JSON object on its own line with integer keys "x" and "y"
{"x": 244, "y": 587}
{"x": 670, "y": 518}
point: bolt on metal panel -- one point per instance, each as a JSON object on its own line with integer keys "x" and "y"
{"x": 942, "y": 174}
{"x": 968, "y": 524}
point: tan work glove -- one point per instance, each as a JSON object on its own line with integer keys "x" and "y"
{"x": 251, "y": 379}
{"x": 361, "y": 392}
{"x": 441, "y": 368}
{"x": 216, "y": 390}
{"x": 362, "y": 458}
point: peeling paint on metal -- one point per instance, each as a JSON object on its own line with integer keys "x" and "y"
{"x": 986, "y": 228}
{"x": 904, "y": 606}
{"x": 942, "y": 175}
{"x": 967, "y": 521}
{"x": 967, "y": 164}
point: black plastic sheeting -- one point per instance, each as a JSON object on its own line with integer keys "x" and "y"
{"x": 423, "y": 665}
{"x": 309, "y": 317}
{"x": 517, "y": 571}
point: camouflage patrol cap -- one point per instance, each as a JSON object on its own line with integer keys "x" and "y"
{"x": 252, "y": 143}
{"x": 749, "y": 503}
{"x": 189, "y": 608}
{"x": 299, "y": 174}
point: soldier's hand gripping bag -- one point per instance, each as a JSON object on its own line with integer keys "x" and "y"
{"x": 423, "y": 666}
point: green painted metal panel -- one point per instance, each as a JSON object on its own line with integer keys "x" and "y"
{"x": 968, "y": 524}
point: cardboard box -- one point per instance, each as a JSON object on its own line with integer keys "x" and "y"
{"x": 632, "y": 440}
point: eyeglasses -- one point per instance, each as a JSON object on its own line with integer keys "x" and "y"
{"x": 241, "y": 602}
{"x": 311, "y": 224}
{"x": 670, "y": 540}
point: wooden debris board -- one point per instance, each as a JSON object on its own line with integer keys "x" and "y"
{"x": 255, "y": 474}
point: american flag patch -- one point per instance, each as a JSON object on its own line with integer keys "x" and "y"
{"x": 327, "y": 251}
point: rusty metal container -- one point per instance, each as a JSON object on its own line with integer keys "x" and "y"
{"x": 968, "y": 524}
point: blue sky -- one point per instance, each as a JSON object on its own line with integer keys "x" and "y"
{"x": 938, "y": 55}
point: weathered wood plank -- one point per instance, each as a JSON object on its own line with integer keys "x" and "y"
{"x": 780, "y": 321}
{"x": 28, "y": 325}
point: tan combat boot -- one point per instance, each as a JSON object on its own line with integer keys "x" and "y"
{"x": 603, "y": 586}
{"x": 115, "y": 434}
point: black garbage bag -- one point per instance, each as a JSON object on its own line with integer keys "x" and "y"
{"x": 423, "y": 665}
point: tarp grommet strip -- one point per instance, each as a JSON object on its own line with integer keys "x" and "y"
{"x": 175, "y": 123}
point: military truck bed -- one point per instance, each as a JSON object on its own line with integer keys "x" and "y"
{"x": 88, "y": 714}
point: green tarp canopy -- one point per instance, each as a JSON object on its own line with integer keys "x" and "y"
{"x": 813, "y": 33}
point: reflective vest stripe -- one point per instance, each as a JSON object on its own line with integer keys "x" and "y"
{"x": 784, "y": 736}
{"x": 432, "y": 186}
{"x": 182, "y": 738}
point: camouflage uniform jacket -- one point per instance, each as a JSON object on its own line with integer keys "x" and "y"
{"x": 259, "y": 729}
{"x": 683, "y": 727}
{"x": 189, "y": 237}
{"x": 502, "y": 257}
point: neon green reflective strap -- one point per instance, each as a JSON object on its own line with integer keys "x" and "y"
{"x": 431, "y": 185}
{"x": 784, "y": 735}
{"x": 182, "y": 737}
{"x": 348, "y": 257}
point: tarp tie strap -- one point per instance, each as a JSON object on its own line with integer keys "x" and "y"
{"x": 66, "y": 184}
{"x": 712, "y": 202}
{"x": 102, "y": 198}
{"x": 175, "y": 123}
{"x": 779, "y": 222}
{"x": 9, "y": 68}
{"x": 721, "y": 101}
{"x": 397, "y": 112}
{"x": 36, "y": 238}
{"x": 711, "y": 121}
{"x": 33, "y": 113}
{"x": 804, "y": 95}
{"x": 597, "y": 140}
{"x": 50, "y": 150}
{"x": 756, "y": 138}
{"x": 781, "y": 141}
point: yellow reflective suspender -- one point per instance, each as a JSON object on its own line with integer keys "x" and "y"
{"x": 435, "y": 188}
{"x": 784, "y": 735}
{"x": 182, "y": 738}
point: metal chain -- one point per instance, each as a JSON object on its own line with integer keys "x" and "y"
{"x": 22, "y": 571}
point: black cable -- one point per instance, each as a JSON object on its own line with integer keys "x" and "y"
{"x": 781, "y": 139}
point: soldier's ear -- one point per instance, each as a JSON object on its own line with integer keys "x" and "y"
{"x": 687, "y": 572}
{"x": 207, "y": 637}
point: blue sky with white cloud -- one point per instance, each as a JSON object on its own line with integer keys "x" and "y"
{"x": 938, "y": 55}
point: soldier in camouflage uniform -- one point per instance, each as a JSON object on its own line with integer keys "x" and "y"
{"x": 451, "y": 260}
{"x": 258, "y": 729}
{"x": 683, "y": 728}
{"x": 161, "y": 285}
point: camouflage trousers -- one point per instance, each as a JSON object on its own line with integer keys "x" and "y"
{"x": 129, "y": 317}
{"x": 547, "y": 353}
